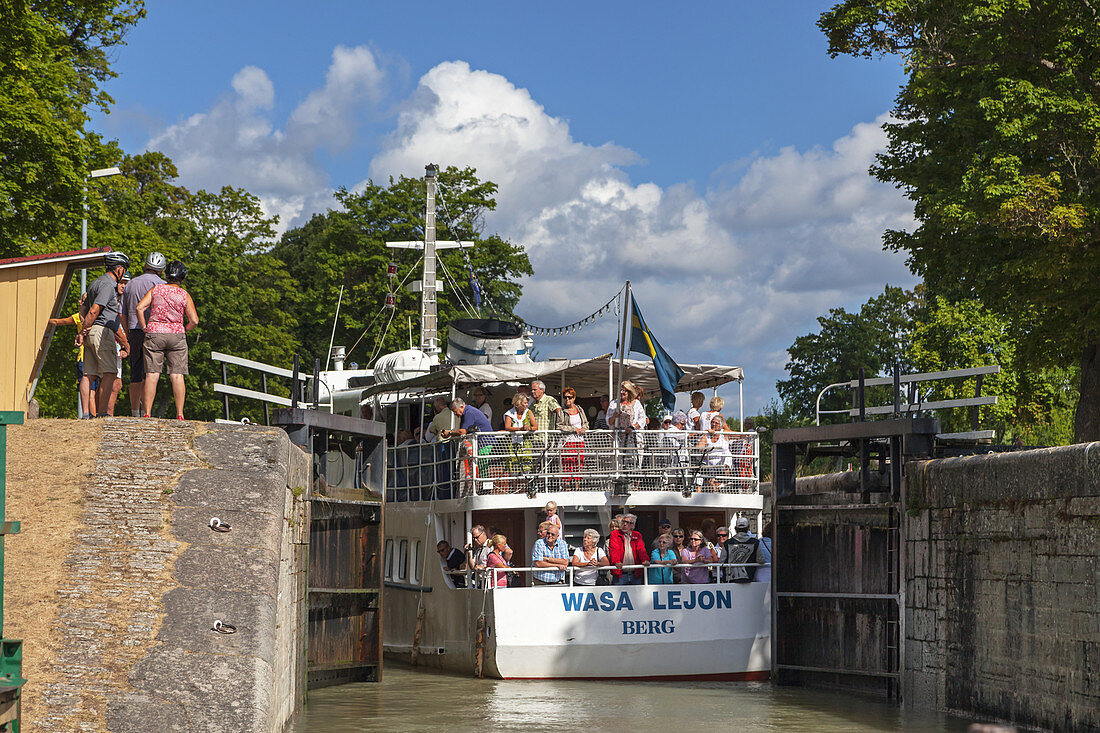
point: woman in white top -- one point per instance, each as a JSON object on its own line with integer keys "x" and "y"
{"x": 574, "y": 423}
{"x": 705, "y": 418}
{"x": 588, "y": 556}
{"x": 520, "y": 422}
{"x": 627, "y": 413}
{"x": 716, "y": 450}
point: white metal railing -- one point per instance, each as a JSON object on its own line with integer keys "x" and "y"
{"x": 722, "y": 570}
{"x": 531, "y": 462}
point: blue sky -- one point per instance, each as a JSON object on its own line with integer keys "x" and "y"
{"x": 712, "y": 153}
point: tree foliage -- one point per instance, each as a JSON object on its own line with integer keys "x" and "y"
{"x": 997, "y": 141}
{"x": 347, "y": 247}
{"x": 875, "y": 339}
{"x": 53, "y": 60}
{"x": 243, "y": 295}
{"x": 928, "y": 335}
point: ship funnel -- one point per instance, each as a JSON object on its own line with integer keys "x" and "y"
{"x": 337, "y": 355}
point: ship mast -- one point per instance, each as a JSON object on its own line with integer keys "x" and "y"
{"x": 429, "y": 316}
{"x": 429, "y": 286}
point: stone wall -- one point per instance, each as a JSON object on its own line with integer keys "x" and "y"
{"x": 146, "y": 578}
{"x": 1003, "y": 586}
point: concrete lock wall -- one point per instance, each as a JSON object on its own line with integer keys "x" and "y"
{"x": 1002, "y": 614}
{"x": 130, "y": 645}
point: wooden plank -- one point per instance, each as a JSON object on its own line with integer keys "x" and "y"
{"x": 928, "y": 376}
{"x": 26, "y": 339}
{"x": 920, "y": 406}
{"x": 257, "y": 365}
{"x": 52, "y": 293}
{"x": 251, "y": 393}
{"x": 9, "y": 283}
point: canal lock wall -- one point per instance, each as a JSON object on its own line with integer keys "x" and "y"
{"x": 1002, "y": 572}
{"x": 132, "y": 645}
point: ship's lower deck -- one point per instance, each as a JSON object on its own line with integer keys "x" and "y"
{"x": 653, "y": 631}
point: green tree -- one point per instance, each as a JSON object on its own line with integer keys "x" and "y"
{"x": 996, "y": 143}
{"x": 53, "y": 60}
{"x": 1032, "y": 405}
{"x": 244, "y": 297}
{"x": 347, "y": 247}
{"x": 875, "y": 338}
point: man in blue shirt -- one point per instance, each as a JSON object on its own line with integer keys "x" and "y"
{"x": 469, "y": 420}
{"x": 549, "y": 552}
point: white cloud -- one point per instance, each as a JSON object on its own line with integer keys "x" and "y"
{"x": 730, "y": 275}
{"x": 727, "y": 275}
{"x": 236, "y": 143}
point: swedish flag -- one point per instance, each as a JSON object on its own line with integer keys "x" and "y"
{"x": 642, "y": 341}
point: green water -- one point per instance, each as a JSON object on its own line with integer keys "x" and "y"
{"x": 408, "y": 700}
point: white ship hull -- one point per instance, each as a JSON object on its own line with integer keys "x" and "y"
{"x": 708, "y": 631}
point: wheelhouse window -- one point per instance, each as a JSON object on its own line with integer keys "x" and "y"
{"x": 418, "y": 560}
{"x": 389, "y": 560}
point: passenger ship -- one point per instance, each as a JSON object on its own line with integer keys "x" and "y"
{"x": 439, "y": 491}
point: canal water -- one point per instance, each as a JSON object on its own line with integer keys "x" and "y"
{"x": 422, "y": 700}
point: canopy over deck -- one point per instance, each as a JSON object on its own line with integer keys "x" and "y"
{"x": 589, "y": 377}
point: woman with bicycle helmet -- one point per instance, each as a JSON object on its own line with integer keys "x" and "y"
{"x": 165, "y": 334}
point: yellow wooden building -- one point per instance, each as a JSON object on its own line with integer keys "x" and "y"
{"x": 32, "y": 291}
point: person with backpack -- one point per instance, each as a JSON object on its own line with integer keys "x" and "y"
{"x": 742, "y": 548}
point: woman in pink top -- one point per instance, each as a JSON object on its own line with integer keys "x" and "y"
{"x": 696, "y": 553}
{"x": 495, "y": 559}
{"x": 165, "y": 333}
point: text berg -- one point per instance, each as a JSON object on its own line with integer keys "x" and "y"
{"x": 648, "y": 627}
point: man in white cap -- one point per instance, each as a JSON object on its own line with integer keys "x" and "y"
{"x": 132, "y": 294}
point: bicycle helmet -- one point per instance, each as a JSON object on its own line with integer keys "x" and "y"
{"x": 112, "y": 260}
{"x": 155, "y": 261}
{"x": 176, "y": 271}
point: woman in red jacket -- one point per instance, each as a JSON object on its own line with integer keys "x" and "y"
{"x": 626, "y": 547}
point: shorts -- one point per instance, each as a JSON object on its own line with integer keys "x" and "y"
{"x": 137, "y": 354}
{"x": 161, "y": 347}
{"x": 79, "y": 370}
{"x": 100, "y": 353}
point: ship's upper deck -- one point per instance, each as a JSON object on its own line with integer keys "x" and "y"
{"x": 510, "y": 469}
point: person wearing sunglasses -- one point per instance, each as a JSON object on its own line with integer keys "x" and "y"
{"x": 678, "y": 546}
{"x": 719, "y": 575}
{"x": 478, "y": 550}
{"x": 453, "y": 562}
{"x": 694, "y": 555}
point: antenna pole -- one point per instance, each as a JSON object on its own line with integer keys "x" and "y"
{"x": 429, "y": 326}
{"x": 628, "y": 317}
{"x": 335, "y": 320}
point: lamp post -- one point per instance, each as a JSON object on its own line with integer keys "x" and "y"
{"x": 100, "y": 173}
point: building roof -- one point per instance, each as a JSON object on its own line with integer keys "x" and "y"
{"x": 76, "y": 256}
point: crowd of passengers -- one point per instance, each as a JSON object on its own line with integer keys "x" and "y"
{"x": 534, "y": 411}
{"x": 710, "y": 554}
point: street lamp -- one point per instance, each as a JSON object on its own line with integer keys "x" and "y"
{"x": 100, "y": 173}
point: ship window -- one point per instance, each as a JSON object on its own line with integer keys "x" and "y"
{"x": 403, "y": 560}
{"x": 389, "y": 559}
{"x": 418, "y": 560}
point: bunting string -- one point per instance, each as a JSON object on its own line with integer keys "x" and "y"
{"x": 612, "y": 304}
